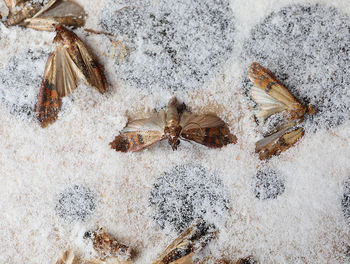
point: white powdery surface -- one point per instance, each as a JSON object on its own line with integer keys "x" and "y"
{"x": 59, "y": 182}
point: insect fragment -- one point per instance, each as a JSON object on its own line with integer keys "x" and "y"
{"x": 272, "y": 97}
{"x": 108, "y": 247}
{"x": 34, "y": 15}
{"x": 187, "y": 244}
{"x": 68, "y": 257}
{"x": 70, "y": 62}
{"x": 173, "y": 124}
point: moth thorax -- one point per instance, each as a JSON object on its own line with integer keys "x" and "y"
{"x": 297, "y": 112}
{"x": 173, "y": 133}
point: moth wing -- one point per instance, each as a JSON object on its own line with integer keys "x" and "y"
{"x": 140, "y": 133}
{"x": 56, "y": 12}
{"x": 67, "y": 72}
{"x": 156, "y": 122}
{"x": 93, "y": 71}
{"x": 267, "y": 104}
{"x": 61, "y": 9}
{"x": 49, "y": 102}
{"x": 278, "y": 142}
{"x": 183, "y": 248}
{"x": 16, "y": 17}
{"x": 208, "y": 130}
{"x": 263, "y": 79}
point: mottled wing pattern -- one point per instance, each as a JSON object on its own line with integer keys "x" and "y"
{"x": 278, "y": 141}
{"x": 49, "y": 102}
{"x": 140, "y": 133}
{"x": 93, "y": 71}
{"x": 107, "y": 246}
{"x": 283, "y": 99}
{"x": 190, "y": 241}
{"x": 208, "y": 130}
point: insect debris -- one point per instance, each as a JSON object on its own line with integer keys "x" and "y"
{"x": 45, "y": 17}
{"x": 187, "y": 244}
{"x": 108, "y": 247}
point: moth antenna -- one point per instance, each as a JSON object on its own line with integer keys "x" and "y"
{"x": 96, "y": 32}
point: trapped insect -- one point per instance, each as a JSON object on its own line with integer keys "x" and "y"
{"x": 272, "y": 97}
{"x": 172, "y": 124}
{"x": 70, "y": 62}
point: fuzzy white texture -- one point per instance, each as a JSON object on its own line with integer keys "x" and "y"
{"x": 305, "y": 223}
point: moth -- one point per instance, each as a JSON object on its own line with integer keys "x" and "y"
{"x": 33, "y": 15}
{"x": 70, "y": 62}
{"x": 272, "y": 97}
{"x": 108, "y": 247}
{"x": 189, "y": 242}
{"x": 172, "y": 124}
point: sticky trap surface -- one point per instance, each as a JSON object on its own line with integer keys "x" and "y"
{"x": 64, "y": 180}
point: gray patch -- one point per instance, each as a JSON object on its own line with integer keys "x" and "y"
{"x": 171, "y": 48}
{"x": 185, "y": 193}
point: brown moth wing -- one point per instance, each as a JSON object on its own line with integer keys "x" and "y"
{"x": 208, "y": 130}
{"x": 15, "y": 18}
{"x": 190, "y": 241}
{"x": 93, "y": 72}
{"x": 263, "y": 79}
{"x": 136, "y": 141}
{"x": 49, "y": 102}
{"x": 56, "y": 12}
{"x": 278, "y": 142}
{"x": 140, "y": 133}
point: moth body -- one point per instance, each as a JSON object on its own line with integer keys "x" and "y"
{"x": 173, "y": 124}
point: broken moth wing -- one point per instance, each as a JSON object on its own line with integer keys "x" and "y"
{"x": 208, "y": 130}
{"x": 27, "y": 11}
{"x": 68, "y": 257}
{"x": 108, "y": 247}
{"x": 56, "y": 12}
{"x": 49, "y": 102}
{"x": 278, "y": 141}
{"x": 140, "y": 133}
{"x": 275, "y": 97}
{"x": 189, "y": 242}
{"x": 11, "y": 4}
